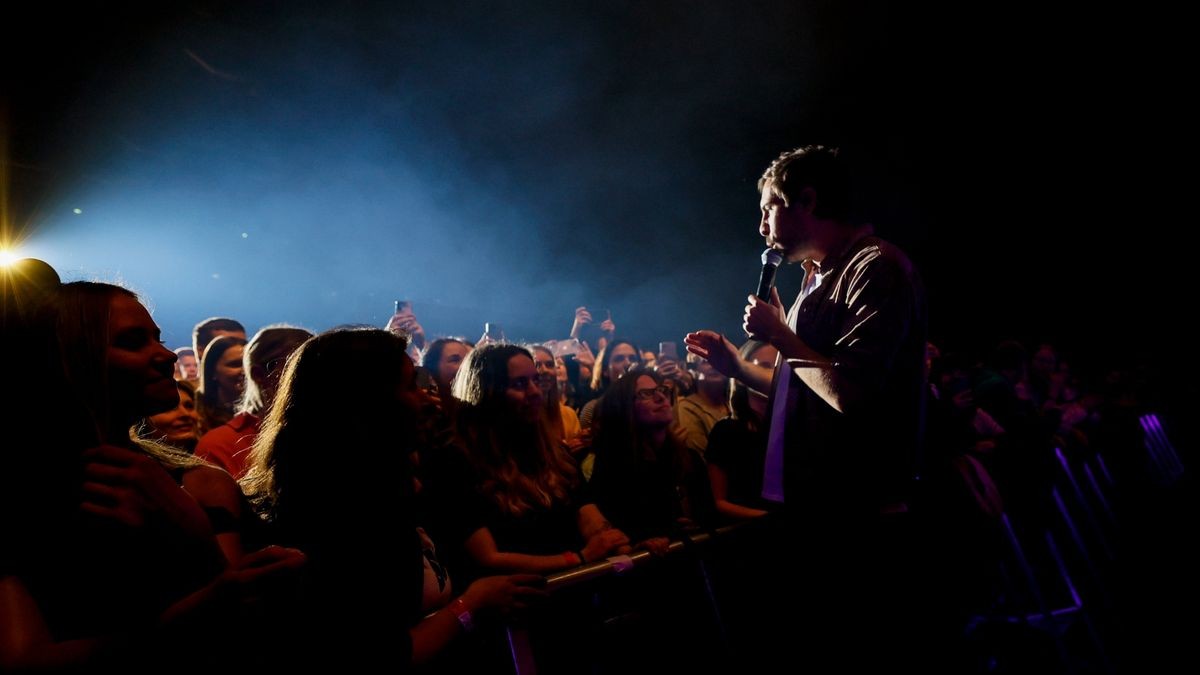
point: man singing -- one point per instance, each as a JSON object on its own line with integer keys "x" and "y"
{"x": 846, "y": 404}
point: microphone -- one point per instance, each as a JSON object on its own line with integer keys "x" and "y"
{"x": 770, "y": 260}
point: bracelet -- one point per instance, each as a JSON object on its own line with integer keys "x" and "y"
{"x": 459, "y": 608}
{"x": 621, "y": 563}
{"x": 813, "y": 363}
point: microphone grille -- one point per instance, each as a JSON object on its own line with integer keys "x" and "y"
{"x": 772, "y": 257}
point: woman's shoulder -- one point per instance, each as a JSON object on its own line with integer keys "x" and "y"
{"x": 213, "y": 487}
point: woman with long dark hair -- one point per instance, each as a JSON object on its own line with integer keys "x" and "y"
{"x": 646, "y": 479}
{"x": 537, "y": 519}
{"x": 222, "y": 380}
{"x": 441, "y": 359}
{"x": 562, "y": 419}
{"x": 332, "y": 472}
{"x": 615, "y": 359}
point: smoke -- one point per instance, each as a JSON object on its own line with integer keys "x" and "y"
{"x": 487, "y": 165}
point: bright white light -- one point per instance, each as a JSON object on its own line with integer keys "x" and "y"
{"x": 78, "y": 211}
{"x": 8, "y": 257}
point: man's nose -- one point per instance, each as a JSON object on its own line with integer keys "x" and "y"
{"x": 166, "y": 354}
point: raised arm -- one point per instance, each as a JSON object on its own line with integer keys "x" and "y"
{"x": 582, "y": 318}
{"x": 721, "y": 353}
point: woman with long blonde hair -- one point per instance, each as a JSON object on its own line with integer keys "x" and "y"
{"x": 145, "y": 559}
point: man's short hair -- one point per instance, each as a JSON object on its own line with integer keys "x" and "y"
{"x": 184, "y": 351}
{"x": 814, "y": 166}
{"x": 206, "y": 330}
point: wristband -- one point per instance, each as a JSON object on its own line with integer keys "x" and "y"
{"x": 459, "y": 608}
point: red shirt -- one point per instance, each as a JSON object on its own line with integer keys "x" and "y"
{"x": 228, "y": 446}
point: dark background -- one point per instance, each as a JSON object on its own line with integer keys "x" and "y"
{"x": 311, "y": 163}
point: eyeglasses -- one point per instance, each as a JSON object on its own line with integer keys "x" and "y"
{"x": 647, "y": 394}
{"x": 276, "y": 365}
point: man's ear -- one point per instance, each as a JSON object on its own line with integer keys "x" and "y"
{"x": 807, "y": 199}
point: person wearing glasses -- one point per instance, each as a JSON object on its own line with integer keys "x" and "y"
{"x": 228, "y": 446}
{"x": 646, "y": 479}
{"x": 655, "y": 489}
